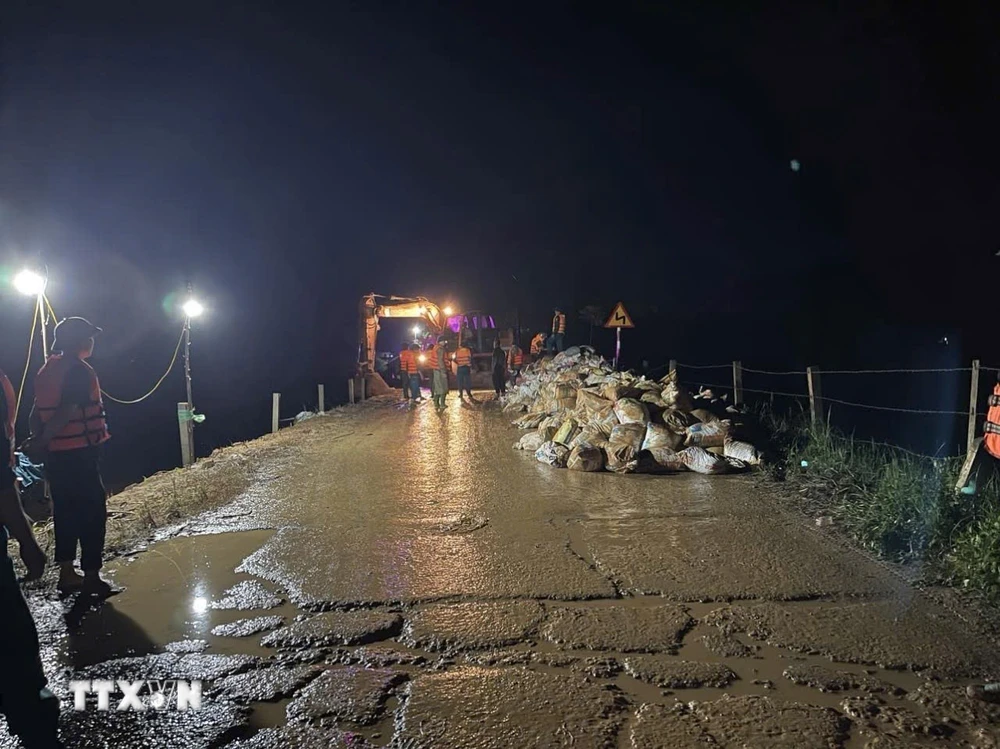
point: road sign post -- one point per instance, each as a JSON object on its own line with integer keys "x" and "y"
{"x": 618, "y": 319}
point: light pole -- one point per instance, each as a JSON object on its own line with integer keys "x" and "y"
{"x": 30, "y": 283}
{"x": 191, "y": 308}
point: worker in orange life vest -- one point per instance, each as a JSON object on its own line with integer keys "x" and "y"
{"x": 991, "y": 430}
{"x": 537, "y": 343}
{"x": 515, "y": 361}
{"x": 407, "y": 362}
{"x": 31, "y": 710}
{"x": 557, "y": 339}
{"x": 463, "y": 370}
{"x": 68, "y": 427}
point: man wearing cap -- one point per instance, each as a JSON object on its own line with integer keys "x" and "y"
{"x": 439, "y": 381}
{"x": 68, "y": 426}
{"x": 32, "y": 711}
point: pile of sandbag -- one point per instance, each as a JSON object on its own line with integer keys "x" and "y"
{"x": 581, "y": 414}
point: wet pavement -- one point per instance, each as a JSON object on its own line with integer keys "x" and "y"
{"x": 406, "y": 579}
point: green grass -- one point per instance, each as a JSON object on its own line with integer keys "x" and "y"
{"x": 899, "y": 505}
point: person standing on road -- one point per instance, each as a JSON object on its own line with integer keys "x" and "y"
{"x": 463, "y": 370}
{"x": 499, "y": 365}
{"x": 557, "y": 339}
{"x": 411, "y": 379}
{"x": 515, "y": 360}
{"x": 31, "y": 710}
{"x": 439, "y": 360}
{"x": 68, "y": 427}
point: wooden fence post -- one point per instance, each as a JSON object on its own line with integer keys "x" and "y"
{"x": 275, "y": 401}
{"x": 737, "y": 383}
{"x": 673, "y": 366}
{"x": 973, "y": 406}
{"x": 350, "y": 391}
{"x": 815, "y": 395}
{"x": 322, "y": 399}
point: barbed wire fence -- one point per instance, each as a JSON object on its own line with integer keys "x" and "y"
{"x": 805, "y": 388}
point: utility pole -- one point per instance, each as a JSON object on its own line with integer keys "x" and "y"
{"x": 45, "y": 334}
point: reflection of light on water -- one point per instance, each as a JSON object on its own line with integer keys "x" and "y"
{"x": 199, "y": 604}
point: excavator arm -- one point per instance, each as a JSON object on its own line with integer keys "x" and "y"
{"x": 375, "y": 306}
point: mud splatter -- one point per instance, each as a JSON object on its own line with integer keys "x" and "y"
{"x": 672, "y": 673}
{"x": 248, "y": 627}
{"x": 246, "y": 596}
{"x": 355, "y": 695}
{"x": 828, "y": 680}
{"x": 761, "y": 721}
{"x": 650, "y": 629}
{"x": 266, "y": 684}
{"x": 473, "y": 626}
{"x": 336, "y": 628}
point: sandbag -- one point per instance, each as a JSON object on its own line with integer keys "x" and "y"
{"x": 546, "y": 433}
{"x": 708, "y": 435}
{"x": 552, "y": 454}
{"x": 742, "y": 451}
{"x": 529, "y": 421}
{"x": 705, "y": 416}
{"x": 653, "y": 398}
{"x": 585, "y": 458}
{"x": 606, "y": 419}
{"x": 613, "y": 391}
{"x": 552, "y": 420}
{"x": 621, "y": 458}
{"x": 564, "y": 390}
{"x": 678, "y": 421}
{"x": 631, "y": 411}
{"x": 628, "y": 434}
{"x": 530, "y": 441}
{"x": 660, "y": 460}
{"x": 660, "y": 436}
{"x": 699, "y": 460}
{"x": 566, "y": 432}
{"x": 673, "y": 394}
{"x": 590, "y": 400}
{"x": 589, "y": 436}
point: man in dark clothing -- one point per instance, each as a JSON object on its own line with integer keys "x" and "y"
{"x": 499, "y": 366}
{"x": 68, "y": 427}
{"x": 32, "y": 711}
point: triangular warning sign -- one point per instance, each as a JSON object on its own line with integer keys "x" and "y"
{"x": 619, "y": 318}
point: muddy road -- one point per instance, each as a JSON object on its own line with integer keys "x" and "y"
{"x": 404, "y": 578}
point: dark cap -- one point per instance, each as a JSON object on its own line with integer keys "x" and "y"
{"x": 73, "y": 331}
{"x": 442, "y": 339}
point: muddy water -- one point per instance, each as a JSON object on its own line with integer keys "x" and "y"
{"x": 437, "y": 588}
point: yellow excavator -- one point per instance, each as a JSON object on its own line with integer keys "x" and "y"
{"x": 475, "y": 329}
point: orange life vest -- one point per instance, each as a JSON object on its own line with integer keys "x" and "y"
{"x": 408, "y": 363}
{"x": 463, "y": 357}
{"x": 87, "y": 426}
{"x": 991, "y": 430}
{"x": 559, "y": 323}
{"x": 439, "y": 358}
{"x": 515, "y": 357}
{"x": 10, "y": 403}
{"x": 537, "y": 344}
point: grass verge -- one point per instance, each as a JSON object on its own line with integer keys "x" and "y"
{"x": 897, "y": 504}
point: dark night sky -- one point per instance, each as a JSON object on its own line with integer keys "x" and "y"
{"x": 288, "y": 160}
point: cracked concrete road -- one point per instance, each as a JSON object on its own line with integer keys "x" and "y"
{"x": 409, "y": 580}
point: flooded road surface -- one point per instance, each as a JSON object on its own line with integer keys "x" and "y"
{"x": 409, "y": 580}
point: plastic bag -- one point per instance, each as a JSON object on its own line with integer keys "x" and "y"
{"x": 708, "y": 435}
{"x": 613, "y": 391}
{"x": 660, "y": 460}
{"x": 566, "y": 432}
{"x": 742, "y": 451}
{"x": 621, "y": 458}
{"x": 585, "y": 458}
{"x": 660, "y": 436}
{"x": 700, "y": 460}
{"x": 545, "y": 433}
{"x": 530, "y": 441}
{"x": 628, "y": 434}
{"x": 653, "y": 399}
{"x": 631, "y": 411}
{"x": 552, "y": 454}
